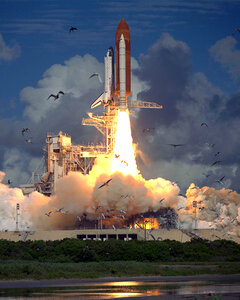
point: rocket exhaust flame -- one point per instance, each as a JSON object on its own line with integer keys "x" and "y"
{"x": 123, "y": 157}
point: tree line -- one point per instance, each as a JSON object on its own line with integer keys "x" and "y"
{"x": 74, "y": 250}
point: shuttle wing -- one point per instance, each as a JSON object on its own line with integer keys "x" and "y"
{"x": 98, "y": 101}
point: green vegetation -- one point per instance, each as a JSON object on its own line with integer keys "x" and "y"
{"x": 45, "y": 270}
{"x": 74, "y": 250}
{"x": 73, "y": 258}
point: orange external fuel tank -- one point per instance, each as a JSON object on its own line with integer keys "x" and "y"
{"x": 123, "y": 29}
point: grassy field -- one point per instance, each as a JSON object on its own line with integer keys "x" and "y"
{"x": 15, "y": 269}
{"x": 72, "y": 258}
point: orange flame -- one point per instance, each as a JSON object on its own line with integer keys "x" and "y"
{"x": 123, "y": 159}
{"x": 146, "y": 223}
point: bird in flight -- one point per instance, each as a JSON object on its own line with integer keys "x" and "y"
{"x": 48, "y": 214}
{"x": 105, "y": 183}
{"x": 56, "y": 96}
{"x": 220, "y": 180}
{"x": 210, "y": 145}
{"x": 124, "y": 162}
{"x": 236, "y": 31}
{"x": 99, "y": 206}
{"x": 98, "y": 75}
{"x": 216, "y": 162}
{"x": 204, "y": 124}
{"x": 71, "y": 29}
{"x": 176, "y": 145}
{"x": 59, "y": 209}
{"x": 180, "y": 208}
{"x": 25, "y": 130}
{"x": 117, "y": 155}
{"x": 29, "y": 140}
{"x": 207, "y": 175}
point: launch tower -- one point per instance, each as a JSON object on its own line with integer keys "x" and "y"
{"x": 61, "y": 156}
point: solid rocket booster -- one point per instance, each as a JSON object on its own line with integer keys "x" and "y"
{"x": 123, "y": 29}
{"x": 122, "y": 73}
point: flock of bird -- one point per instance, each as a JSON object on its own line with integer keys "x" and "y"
{"x": 216, "y": 161}
{"x": 122, "y": 161}
{"x": 26, "y": 132}
{"x": 102, "y": 214}
{"x": 57, "y": 210}
{"x": 216, "y": 155}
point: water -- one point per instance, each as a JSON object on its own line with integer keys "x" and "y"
{"x": 127, "y": 289}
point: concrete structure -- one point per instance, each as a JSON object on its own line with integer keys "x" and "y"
{"x": 120, "y": 234}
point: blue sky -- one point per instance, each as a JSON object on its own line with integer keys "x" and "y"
{"x": 35, "y": 45}
{"x": 40, "y": 28}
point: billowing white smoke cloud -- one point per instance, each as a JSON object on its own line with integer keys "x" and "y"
{"x": 80, "y": 195}
{"x": 218, "y": 208}
{"x": 9, "y": 197}
{"x": 8, "y": 53}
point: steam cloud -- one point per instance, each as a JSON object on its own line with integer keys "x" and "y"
{"x": 80, "y": 195}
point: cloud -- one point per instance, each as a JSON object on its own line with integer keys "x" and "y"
{"x": 188, "y": 99}
{"x": 165, "y": 69}
{"x": 72, "y": 77}
{"x": 19, "y": 165}
{"x": 8, "y": 53}
{"x": 206, "y": 7}
{"x": 224, "y": 51}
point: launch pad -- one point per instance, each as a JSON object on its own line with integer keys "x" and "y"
{"x": 60, "y": 155}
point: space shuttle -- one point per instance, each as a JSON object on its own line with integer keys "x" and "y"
{"x": 118, "y": 74}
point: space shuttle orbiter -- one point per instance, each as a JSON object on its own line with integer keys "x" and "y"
{"x": 109, "y": 80}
